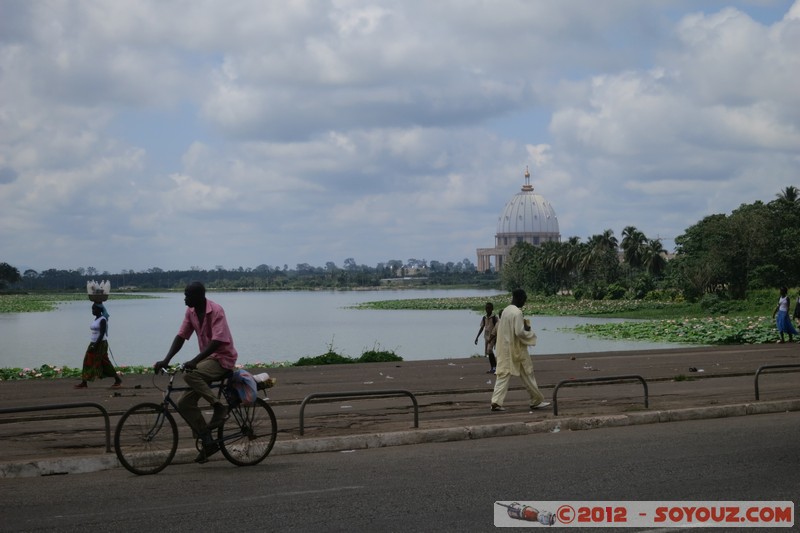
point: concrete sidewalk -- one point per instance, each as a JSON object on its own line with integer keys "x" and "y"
{"x": 453, "y": 397}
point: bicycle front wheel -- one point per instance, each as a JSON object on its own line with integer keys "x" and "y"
{"x": 248, "y": 434}
{"x": 146, "y": 439}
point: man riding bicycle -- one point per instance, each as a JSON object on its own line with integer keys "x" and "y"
{"x": 216, "y": 358}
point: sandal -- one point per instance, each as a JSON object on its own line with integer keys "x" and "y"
{"x": 81, "y": 386}
{"x": 117, "y": 385}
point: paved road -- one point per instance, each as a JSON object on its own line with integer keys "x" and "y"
{"x": 429, "y": 487}
{"x": 453, "y": 397}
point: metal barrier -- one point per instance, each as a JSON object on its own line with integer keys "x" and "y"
{"x": 591, "y": 380}
{"x": 765, "y": 367}
{"x": 357, "y": 394}
{"x": 10, "y": 410}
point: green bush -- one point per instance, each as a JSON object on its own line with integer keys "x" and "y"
{"x": 767, "y": 299}
{"x": 642, "y": 287}
{"x": 615, "y": 291}
{"x": 713, "y": 304}
{"x": 717, "y": 304}
{"x": 664, "y": 295}
{"x": 598, "y": 291}
{"x": 330, "y": 358}
{"x": 376, "y": 355}
{"x": 764, "y": 276}
{"x": 379, "y": 356}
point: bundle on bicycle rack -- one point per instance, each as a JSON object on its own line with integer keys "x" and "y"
{"x": 263, "y": 381}
{"x": 243, "y": 386}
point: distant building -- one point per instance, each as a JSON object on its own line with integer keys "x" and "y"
{"x": 527, "y": 217}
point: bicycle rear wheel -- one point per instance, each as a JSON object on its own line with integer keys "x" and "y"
{"x": 146, "y": 439}
{"x": 248, "y": 434}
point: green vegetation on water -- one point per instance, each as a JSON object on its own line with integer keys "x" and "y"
{"x": 41, "y": 302}
{"x": 711, "y": 330}
{"x": 710, "y": 321}
{"x": 541, "y": 305}
{"x": 758, "y": 302}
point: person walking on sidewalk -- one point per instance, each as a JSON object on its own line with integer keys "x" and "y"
{"x": 95, "y": 361}
{"x": 783, "y": 322}
{"x": 489, "y": 329}
{"x": 514, "y": 335}
{"x": 217, "y": 356}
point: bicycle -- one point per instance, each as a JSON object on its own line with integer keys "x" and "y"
{"x": 146, "y": 437}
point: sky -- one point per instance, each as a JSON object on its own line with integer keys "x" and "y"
{"x": 179, "y": 134}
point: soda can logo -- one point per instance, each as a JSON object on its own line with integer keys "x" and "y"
{"x": 546, "y": 518}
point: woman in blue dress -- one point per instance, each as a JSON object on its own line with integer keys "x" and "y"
{"x": 783, "y": 321}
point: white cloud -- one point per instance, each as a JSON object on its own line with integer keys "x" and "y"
{"x": 247, "y": 132}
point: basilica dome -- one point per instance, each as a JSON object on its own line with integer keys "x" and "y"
{"x": 527, "y": 217}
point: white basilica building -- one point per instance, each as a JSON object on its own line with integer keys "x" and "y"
{"x": 527, "y": 217}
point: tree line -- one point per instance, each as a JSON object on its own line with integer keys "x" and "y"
{"x": 261, "y": 277}
{"x": 756, "y": 246}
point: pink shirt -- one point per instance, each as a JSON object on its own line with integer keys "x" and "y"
{"x": 214, "y": 328}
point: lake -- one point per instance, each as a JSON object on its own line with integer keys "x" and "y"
{"x": 280, "y": 326}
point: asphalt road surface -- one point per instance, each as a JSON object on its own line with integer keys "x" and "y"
{"x": 426, "y": 487}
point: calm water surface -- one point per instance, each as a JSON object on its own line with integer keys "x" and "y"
{"x": 279, "y": 326}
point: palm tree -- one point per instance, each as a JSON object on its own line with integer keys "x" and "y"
{"x": 608, "y": 240}
{"x": 596, "y": 249}
{"x": 569, "y": 257}
{"x": 551, "y": 252}
{"x": 633, "y": 244}
{"x": 790, "y": 195}
{"x": 654, "y": 258}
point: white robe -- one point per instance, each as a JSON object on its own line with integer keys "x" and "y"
{"x": 513, "y": 340}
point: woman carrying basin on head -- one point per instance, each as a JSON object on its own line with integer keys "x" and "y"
{"x": 95, "y": 362}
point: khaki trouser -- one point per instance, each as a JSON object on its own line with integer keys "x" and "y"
{"x": 501, "y": 388}
{"x": 207, "y": 370}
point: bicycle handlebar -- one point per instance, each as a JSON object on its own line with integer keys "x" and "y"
{"x": 172, "y": 370}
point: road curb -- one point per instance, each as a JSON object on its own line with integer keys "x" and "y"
{"x": 82, "y": 465}
{"x": 59, "y": 467}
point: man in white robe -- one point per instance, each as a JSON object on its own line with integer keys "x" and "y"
{"x": 514, "y": 335}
